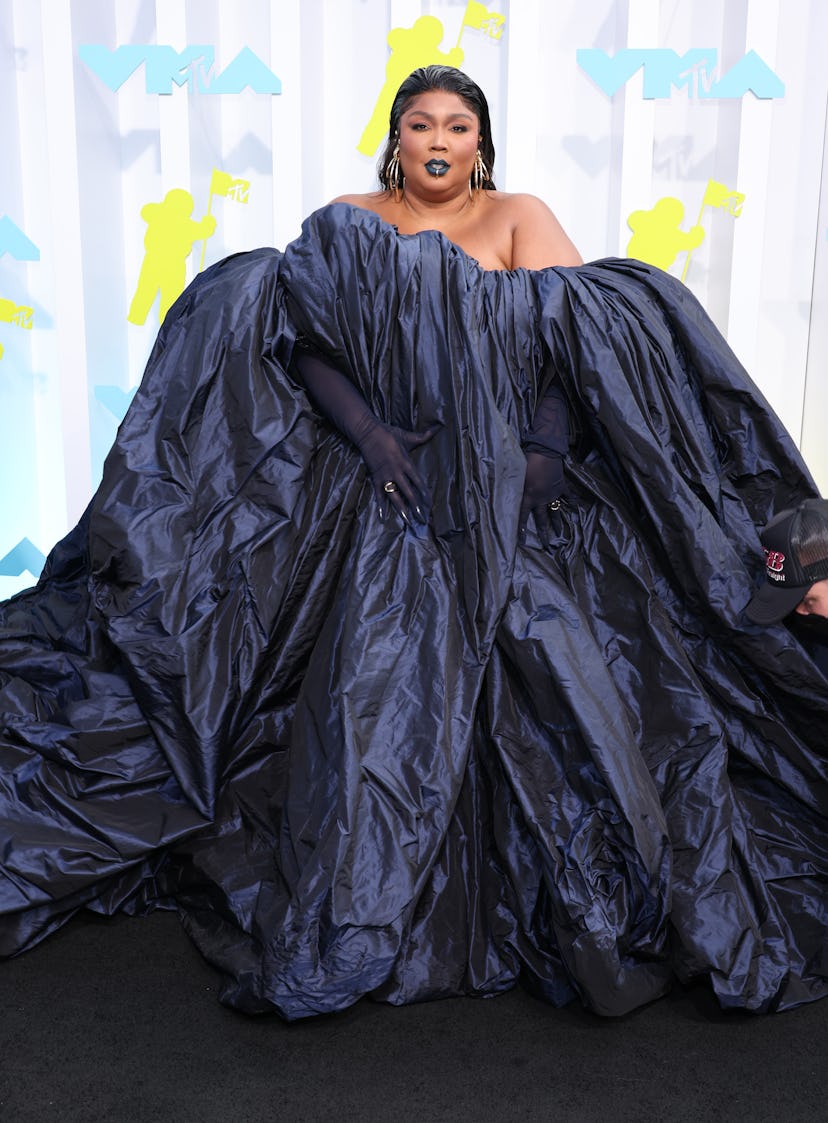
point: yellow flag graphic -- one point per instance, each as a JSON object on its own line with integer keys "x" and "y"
{"x": 721, "y": 197}
{"x": 221, "y": 183}
{"x": 480, "y": 18}
{"x": 20, "y": 314}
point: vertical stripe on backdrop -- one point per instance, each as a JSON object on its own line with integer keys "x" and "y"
{"x": 66, "y": 250}
{"x": 639, "y": 125}
{"x": 754, "y": 147}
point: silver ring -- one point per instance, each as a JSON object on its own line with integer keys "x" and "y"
{"x": 389, "y": 486}
{"x": 555, "y": 505}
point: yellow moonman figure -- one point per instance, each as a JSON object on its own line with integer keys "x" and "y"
{"x": 412, "y": 47}
{"x": 657, "y": 238}
{"x": 168, "y": 242}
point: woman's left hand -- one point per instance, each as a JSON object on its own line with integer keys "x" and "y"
{"x": 544, "y": 491}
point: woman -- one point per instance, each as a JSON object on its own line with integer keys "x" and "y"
{"x": 437, "y": 174}
{"x": 433, "y": 757}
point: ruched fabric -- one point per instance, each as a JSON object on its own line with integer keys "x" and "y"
{"x": 365, "y": 759}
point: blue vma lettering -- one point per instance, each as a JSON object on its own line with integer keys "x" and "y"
{"x": 15, "y": 242}
{"x": 191, "y": 67}
{"x": 696, "y": 70}
{"x": 24, "y": 556}
{"x": 115, "y": 399}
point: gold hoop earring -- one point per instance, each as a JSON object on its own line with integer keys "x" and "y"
{"x": 393, "y": 173}
{"x": 479, "y": 175}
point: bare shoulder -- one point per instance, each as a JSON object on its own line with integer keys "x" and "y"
{"x": 520, "y": 203}
{"x": 369, "y": 201}
{"x": 538, "y": 239}
{"x": 378, "y": 202}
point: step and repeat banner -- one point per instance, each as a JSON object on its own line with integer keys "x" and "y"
{"x": 143, "y": 140}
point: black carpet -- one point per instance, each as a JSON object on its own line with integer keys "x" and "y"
{"x": 118, "y": 1020}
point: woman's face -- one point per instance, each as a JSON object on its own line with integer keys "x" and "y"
{"x": 439, "y": 135}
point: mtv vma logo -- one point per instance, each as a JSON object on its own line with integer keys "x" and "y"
{"x": 191, "y": 67}
{"x": 696, "y": 70}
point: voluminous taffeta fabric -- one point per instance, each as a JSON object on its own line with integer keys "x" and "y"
{"x": 361, "y": 758}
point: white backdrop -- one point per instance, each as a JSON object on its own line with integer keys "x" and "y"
{"x": 701, "y": 121}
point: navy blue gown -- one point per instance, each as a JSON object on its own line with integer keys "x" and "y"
{"x": 365, "y": 759}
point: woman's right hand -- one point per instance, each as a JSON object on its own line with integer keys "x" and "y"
{"x": 397, "y": 483}
{"x": 385, "y": 448}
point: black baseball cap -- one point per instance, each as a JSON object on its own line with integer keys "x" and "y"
{"x": 796, "y": 555}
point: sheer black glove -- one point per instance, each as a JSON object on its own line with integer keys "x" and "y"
{"x": 544, "y": 488}
{"x": 543, "y": 495}
{"x": 384, "y": 448}
{"x": 396, "y": 481}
